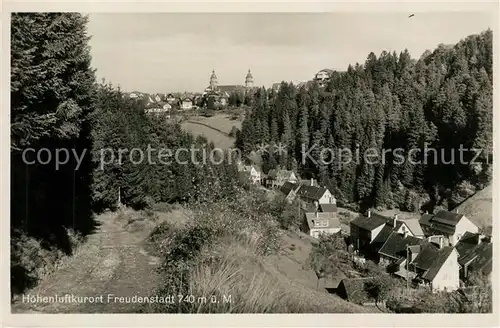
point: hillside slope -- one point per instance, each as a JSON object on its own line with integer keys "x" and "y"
{"x": 478, "y": 208}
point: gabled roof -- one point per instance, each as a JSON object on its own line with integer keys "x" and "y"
{"x": 280, "y": 174}
{"x": 309, "y": 182}
{"x": 438, "y": 262}
{"x": 448, "y": 218}
{"x": 425, "y": 219}
{"x": 386, "y": 232}
{"x": 328, "y": 208}
{"x": 477, "y": 254}
{"x": 248, "y": 167}
{"x": 230, "y": 88}
{"x": 328, "y": 70}
{"x": 426, "y": 255}
{"x": 468, "y": 242}
{"x": 414, "y": 226}
{"x": 395, "y": 245}
{"x": 311, "y": 192}
{"x": 288, "y": 187}
{"x": 480, "y": 255}
{"x": 443, "y": 221}
{"x": 312, "y": 217}
{"x": 369, "y": 223}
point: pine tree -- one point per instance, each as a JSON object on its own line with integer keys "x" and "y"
{"x": 52, "y": 95}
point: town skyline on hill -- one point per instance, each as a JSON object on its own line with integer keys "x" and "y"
{"x": 183, "y": 49}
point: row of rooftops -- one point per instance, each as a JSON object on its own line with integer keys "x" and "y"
{"x": 474, "y": 249}
{"x": 443, "y": 221}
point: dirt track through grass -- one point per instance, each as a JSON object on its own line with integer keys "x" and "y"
{"x": 111, "y": 262}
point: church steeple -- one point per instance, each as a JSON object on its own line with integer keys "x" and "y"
{"x": 213, "y": 80}
{"x": 249, "y": 80}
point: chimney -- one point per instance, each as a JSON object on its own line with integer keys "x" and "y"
{"x": 316, "y": 214}
{"x": 394, "y": 220}
{"x": 312, "y": 184}
{"x": 456, "y": 211}
{"x": 441, "y": 240}
{"x": 369, "y": 213}
{"x": 426, "y": 212}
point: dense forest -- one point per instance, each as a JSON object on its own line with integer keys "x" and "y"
{"x": 444, "y": 99}
{"x": 56, "y": 104}
{"x": 441, "y": 102}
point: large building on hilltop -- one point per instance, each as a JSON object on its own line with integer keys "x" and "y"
{"x": 221, "y": 93}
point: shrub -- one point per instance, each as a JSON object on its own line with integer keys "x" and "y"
{"x": 31, "y": 261}
{"x": 162, "y": 207}
{"x": 234, "y": 131}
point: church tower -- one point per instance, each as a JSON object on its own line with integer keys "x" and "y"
{"x": 213, "y": 80}
{"x": 249, "y": 80}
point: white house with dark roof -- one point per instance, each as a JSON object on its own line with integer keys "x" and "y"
{"x": 186, "y": 103}
{"x": 452, "y": 226}
{"x": 323, "y": 76}
{"x": 421, "y": 262}
{"x": 368, "y": 233}
{"x": 171, "y": 99}
{"x": 251, "y": 173}
{"x": 277, "y": 177}
{"x": 312, "y": 195}
{"x": 317, "y": 223}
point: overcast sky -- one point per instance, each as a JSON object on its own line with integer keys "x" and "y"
{"x": 177, "y": 52}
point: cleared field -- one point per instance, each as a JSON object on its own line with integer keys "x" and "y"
{"x": 478, "y": 207}
{"x": 220, "y": 140}
{"x": 221, "y": 122}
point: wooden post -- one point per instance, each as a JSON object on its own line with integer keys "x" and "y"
{"x": 119, "y": 198}
{"x": 407, "y": 268}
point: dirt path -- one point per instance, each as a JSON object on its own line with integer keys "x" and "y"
{"x": 111, "y": 263}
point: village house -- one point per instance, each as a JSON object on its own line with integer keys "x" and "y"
{"x": 276, "y": 87}
{"x": 309, "y": 182}
{"x": 323, "y": 76}
{"x": 327, "y": 208}
{"x": 251, "y": 173}
{"x": 314, "y": 196}
{"x": 393, "y": 253}
{"x": 370, "y": 232}
{"x": 277, "y": 177}
{"x": 171, "y": 99}
{"x": 136, "y": 95}
{"x": 317, "y": 223}
{"x": 354, "y": 290}
{"x": 331, "y": 282}
{"x": 149, "y": 100}
{"x": 158, "y": 98}
{"x": 289, "y": 189}
{"x": 421, "y": 262}
{"x": 475, "y": 254}
{"x": 452, "y": 226}
{"x": 186, "y": 103}
{"x": 158, "y": 111}
{"x": 440, "y": 271}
